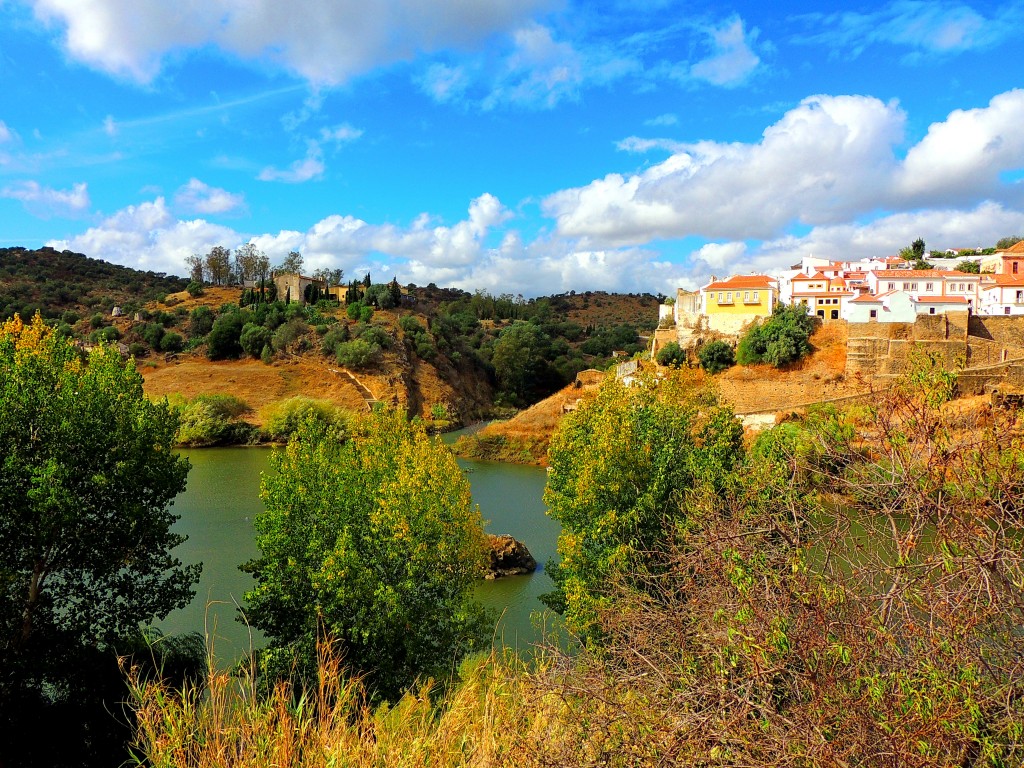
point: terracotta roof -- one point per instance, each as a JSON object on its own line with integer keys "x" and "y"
{"x": 867, "y": 298}
{"x": 816, "y": 276}
{"x": 940, "y": 300}
{"x": 740, "y": 282}
{"x": 1015, "y": 248}
{"x": 921, "y": 274}
{"x": 1007, "y": 279}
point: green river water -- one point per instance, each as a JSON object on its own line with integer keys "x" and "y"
{"x": 222, "y": 498}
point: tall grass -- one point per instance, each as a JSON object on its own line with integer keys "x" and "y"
{"x": 480, "y": 721}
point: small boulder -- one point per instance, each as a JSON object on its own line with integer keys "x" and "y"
{"x": 508, "y": 557}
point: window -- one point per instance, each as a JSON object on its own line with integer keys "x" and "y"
{"x": 757, "y": 300}
{"x": 719, "y": 297}
{"x": 874, "y": 314}
{"x": 1015, "y": 265}
{"x": 906, "y": 286}
{"x": 1006, "y": 310}
{"x": 929, "y": 287}
{"x": 834, "y": 314}
{"x": 892, "y": 286}
{"x": 746, "y": 296}
{"x": 913, "y": 286}
{"x": 931, "y": 310}
{"x": 1020, "y": 296}
{"x": 728, "y": 297}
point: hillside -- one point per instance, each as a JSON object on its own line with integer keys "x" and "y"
{"x": 759, "y": 388}
{"x": 54, "y": 282}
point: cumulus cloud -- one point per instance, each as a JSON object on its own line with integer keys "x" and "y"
{"x": 197, "y": 197}
{"x": 926, "y": 26}
{"x": 307, "y": 169}
{"x": 147, "y": 236}
{"x": 325, "y": 41}
{"x": 829, "y": 160}
{"x": 6, "y": 134}
{"x": 45, "y": 202}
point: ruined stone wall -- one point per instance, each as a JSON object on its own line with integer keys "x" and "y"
{"x": 1007, "y": 330}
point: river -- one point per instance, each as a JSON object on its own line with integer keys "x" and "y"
{"x": 222, "y": 499}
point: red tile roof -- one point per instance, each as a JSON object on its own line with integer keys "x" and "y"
{"x": 1007, "y": 279}
{"x": 940, "y": 300}
{"x": 740, "y": 282}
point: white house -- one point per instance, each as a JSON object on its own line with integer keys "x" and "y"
{"x": 1002, "y": 295}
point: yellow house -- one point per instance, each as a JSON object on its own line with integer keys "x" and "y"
{"x": 732, "y": 304}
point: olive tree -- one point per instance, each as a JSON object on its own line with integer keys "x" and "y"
{"x": 372, "y": 542}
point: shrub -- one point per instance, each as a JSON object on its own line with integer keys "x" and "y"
{"x": 223, "y": 339}
{"x": 671, "y": 355}
{"x": 171, "y": 342}
{"x": 289, "y": 333}
{"x": 195, "y": 289}
{"x": 331, "y": 340}
{"x": 782, "y": 339}
{"x": 254, "y": 338}
{"x": 716, "y": 356}
{"x": 357, "y": 354}
{"x": 282, "y": 418}
{"x": 213, "y": 419}
{"x": 200, "y": 321}
{"x": 70, "y": 317}
{"x": 373, "y": 334}
{"x": 365, "y": 314}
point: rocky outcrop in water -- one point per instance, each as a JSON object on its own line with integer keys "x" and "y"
{"x": 508, "y": 557}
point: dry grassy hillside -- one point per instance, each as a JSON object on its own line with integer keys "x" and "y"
{"x": 820, "y": 376}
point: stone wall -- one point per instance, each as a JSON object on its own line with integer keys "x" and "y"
{"x": 958, "y": 339}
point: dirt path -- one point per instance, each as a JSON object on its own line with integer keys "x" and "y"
{"x": 366, "y": 394}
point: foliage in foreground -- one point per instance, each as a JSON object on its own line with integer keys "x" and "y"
{"x": 620, "y": 468}
{"x": 86, "y": 478}
{"x": 373, "y": 542}
{"x": 852, "y": 595}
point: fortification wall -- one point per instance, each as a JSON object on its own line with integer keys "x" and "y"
{"x": 957, "y": 339}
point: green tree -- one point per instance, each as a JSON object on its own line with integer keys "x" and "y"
{"x": 373, "y": 542}
{"x": 716, "y": 356}
{"x": 518, "y": 358}
{"x": 253, "y": 338}
{"x": 86, "y": 478}
{"x": 782, "y": 339}
{"x": 223, "y": 339}
{"x": 671, "y": 354}
{"x": 616, "y": 464}
{"x": 967, "y": 265}
{"x": 1007, "y": 242}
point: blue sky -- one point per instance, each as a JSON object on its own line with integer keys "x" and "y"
{"x": 523, "y": 146}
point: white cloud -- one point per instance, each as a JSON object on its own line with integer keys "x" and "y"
{"x": 540, "y": 71}
{"x": 930, "y": 26}
{"x": 6, "y": 134}
{"x": 325, "y": 41}
{"x": 662, "y": 121}
{"x": 829, "y": 160}
{"x": 46, "y": 202}
{"x": 965, "y": 155}
{"x": 820, "y": 162}
{"x": 309, "y": 168}
{"x": 109, "y": 126}
{"x": 732, "y": 60}
{"x": 197, "y": 197}
{"x": 638, "y": 144}
{"x": 147, "y": 236}
{"x": 444, "y": 83}
{"x": 978, "y": 226}
{"x": 341, "y": 134}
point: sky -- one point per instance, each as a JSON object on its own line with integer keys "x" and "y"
{"x": 516, "y": 146}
